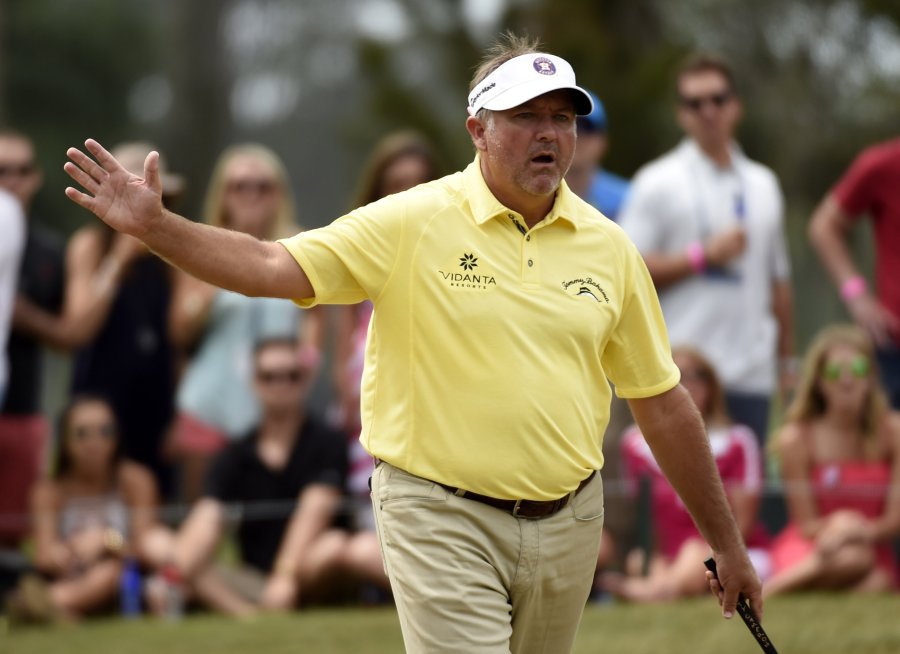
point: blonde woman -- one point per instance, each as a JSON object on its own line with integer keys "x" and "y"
{"x": 839, "y": 461}
{"x": 249, "y": 192}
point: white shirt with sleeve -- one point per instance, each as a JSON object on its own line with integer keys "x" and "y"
{"x": 12, "y": 242}
{"x": 684, "y": 197}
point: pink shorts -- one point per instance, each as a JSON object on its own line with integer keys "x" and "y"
{"x": 193, "y": 436}
{"x": 23, "y": 447}
{"x": 790, "y": 547}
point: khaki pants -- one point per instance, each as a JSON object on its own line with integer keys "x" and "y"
{"x": 470, "y": 578}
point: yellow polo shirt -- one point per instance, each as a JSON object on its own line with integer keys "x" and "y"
{"x": 490, "y": 345}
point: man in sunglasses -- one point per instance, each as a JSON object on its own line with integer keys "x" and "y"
{"x": 709, "y": 223}
{"x": 286, "y": 479}
{"x": 24, "y": 431}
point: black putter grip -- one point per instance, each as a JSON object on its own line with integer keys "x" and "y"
{"x": 746, "y": 613}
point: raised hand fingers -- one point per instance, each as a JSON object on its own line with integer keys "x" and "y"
{"x": 79, "y": 198}
{"x": 109, "y": 163}
{"x": 89, "y": 183}
{"x": 86, "y": 164}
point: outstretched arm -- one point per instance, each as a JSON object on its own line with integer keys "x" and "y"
{"x": 224, "y": 258}
{"x": 674, "y": 431}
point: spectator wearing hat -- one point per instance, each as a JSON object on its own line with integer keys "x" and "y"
{"x": 123, "y": 292}
{"x": 600, "y": 188}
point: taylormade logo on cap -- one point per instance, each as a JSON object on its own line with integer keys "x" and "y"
{"x": 525, "y": 77}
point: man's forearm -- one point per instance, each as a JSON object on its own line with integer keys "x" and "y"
{"x": 228, "y": 259}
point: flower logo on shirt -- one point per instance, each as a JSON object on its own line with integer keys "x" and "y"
{"x": 468, "y": 261}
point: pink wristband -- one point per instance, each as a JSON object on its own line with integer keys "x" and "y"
{"x": 853, "y": 288}
{"x": 696, "y": 256}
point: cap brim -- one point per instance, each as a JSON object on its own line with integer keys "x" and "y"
{"x": 524, "y": 92}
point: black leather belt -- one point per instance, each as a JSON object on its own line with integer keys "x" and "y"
{"x": 522, "y": 508}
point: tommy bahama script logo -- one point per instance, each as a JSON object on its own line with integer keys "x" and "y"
{"x": 468, "y": 279}
{"x": 587, "y": 287}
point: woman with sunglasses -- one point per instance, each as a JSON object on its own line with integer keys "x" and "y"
{"x": 673, "y": 569}
{"x": 249, "y": 192}
{"x": 839, "y": 453}
{"x": 87, "y": 518}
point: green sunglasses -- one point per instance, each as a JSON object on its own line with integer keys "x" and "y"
{"x": 859, "y": 367}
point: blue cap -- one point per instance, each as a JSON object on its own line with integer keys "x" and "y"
{"x": 596, "y": 120}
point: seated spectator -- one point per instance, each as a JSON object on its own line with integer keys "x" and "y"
{"x": 675, "y": 568}
{"x": 287, "y": 478}
{"x": 249, "y": 192}
{"x": 87, "y": 518}
{"x": 840, "y": 456}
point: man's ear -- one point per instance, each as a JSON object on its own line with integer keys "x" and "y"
{"x": 476, "y": 130}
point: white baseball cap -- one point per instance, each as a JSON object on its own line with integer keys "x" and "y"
{"x": 525, "y": 77}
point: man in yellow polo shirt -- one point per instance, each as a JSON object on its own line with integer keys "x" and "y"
{"x": 503, "y": 303}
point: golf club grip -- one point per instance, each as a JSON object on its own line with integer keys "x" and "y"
{"x": 746, "y": 613}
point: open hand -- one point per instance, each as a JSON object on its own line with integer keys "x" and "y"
{"x": 126, "y": 202}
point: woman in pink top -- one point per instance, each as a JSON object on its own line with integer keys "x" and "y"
{"x": 675, "y": 569}
{"x": 839, "y": 459}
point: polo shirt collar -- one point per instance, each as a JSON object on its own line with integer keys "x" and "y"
{"x": 484, "y": 206}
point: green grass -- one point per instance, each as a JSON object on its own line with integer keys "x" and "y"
{"x": 813, "y": 624}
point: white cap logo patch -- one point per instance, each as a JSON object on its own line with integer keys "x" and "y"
{"x": 544, "y": 66}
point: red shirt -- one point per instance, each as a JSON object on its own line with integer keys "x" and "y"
{"x": 872, "y": 187}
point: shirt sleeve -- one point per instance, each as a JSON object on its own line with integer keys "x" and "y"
{"x": 854, "y": 192}
{"x": 351, "y": 259}
{"x": 637, "y": 357}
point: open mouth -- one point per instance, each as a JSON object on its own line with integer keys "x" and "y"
{"x": 544, "y": 159}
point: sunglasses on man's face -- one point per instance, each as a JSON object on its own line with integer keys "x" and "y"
{"x": 291, "y": 376}
{"x": 16, "y": 170}
{"x": 696, "y": 103}
{"x": 858, "y": 367}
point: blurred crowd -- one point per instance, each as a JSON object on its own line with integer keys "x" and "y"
{"x": 189, "y": 468}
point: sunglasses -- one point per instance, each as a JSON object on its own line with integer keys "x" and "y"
{"x": 859, "y": 367}
{"x": 718, "y": 100}
{"x": 16, "y": 170}
{"x": 251, "y": 186}
{"x": 292, "y": 376}
{"x": 83, "y": 432}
